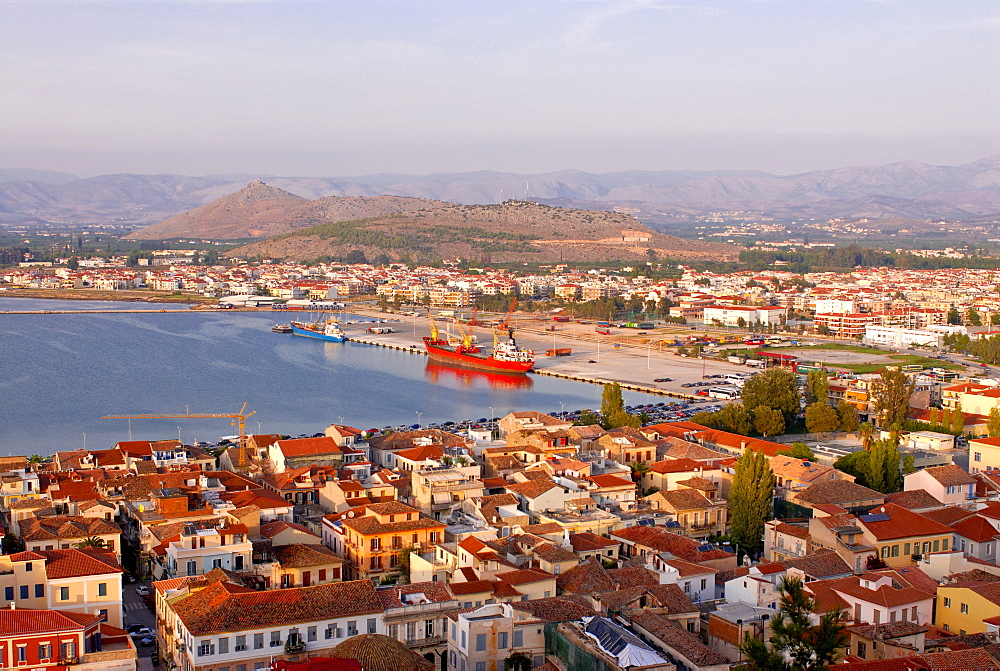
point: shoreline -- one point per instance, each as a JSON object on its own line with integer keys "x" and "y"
{"x": 99, "y": 295}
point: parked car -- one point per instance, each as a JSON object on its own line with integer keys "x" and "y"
{"x": 132, "y": 628}
{"x": 147, "y": 641}
{"x": 142, "y": 590}
{"x": 141, "y": 632}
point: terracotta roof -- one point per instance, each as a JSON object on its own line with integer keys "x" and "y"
{"x": 301, "y": 555}
{"x": 377, "y": 652}
{"x": 684, "y": 643}
{"x": 218, "y": 609}
{"x": 471, "y": 587}
{"x": 823, "y": 564}
{"x": 685, "y": 499}
{"x": 661, "y": 540}
{"x": 434, "y": 591}
{"x": 902, "y": 523}
{"x": 272, "y": 529}
{"x": 686, "y": 569}
{"x": 307, "y": 447}
{"x": 913, "y": 499}
{"x": 318, "y": 664}
{"x": 557, "y": 608}
{"x": 589, "y": 577}
{"x": 838, "y": 492}
{"x": 545, "y": 528}
{"x": 533, "y": 488}
{"x": 950, "y": 514}
{"x": 24, "y": 621}
{"x": 72, "y": 563}
{"x": 792, "y": 530}
{"x": 588, "y": 542}
{"x": 976, "y": 529}
{"x": 883, "y": 595}
{"x": 677, "y": 466}
{"x": 369, "y": 525}
{"x": 950, "y": 475}
{"x": 65, "y": 527}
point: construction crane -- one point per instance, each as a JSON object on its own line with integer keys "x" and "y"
{"x": 238, "y": 418}
{"x": 505, "y": 324}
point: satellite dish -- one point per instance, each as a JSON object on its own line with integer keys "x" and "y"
{"x": 350, "y": 513}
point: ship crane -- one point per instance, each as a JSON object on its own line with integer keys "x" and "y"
{"x": 505, "y": 324}
{"x": 238, "y": 418}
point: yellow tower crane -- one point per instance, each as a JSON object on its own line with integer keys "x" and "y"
{"x": 239, "y": 418}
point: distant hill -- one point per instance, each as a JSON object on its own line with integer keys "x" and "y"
{"x": 906, "y": 189}
{"x": 260, "y": 211}
{"x": 508, "y": 232}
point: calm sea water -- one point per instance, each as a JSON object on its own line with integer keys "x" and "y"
{"x": 60, "y": 373}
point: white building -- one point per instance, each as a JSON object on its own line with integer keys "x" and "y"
{"x": 730, "y": 315}
{"x": 897, "y": 337}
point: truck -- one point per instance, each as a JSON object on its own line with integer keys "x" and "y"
{"x": 604, "y": 331}
{"x": 736, "y": 359}
{"x": 560, "y": 319}
{"x": 559, "y": 351}
{"x": 646, "y": 326}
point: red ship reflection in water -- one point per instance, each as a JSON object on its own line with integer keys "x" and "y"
{"x": 437, "y": 371}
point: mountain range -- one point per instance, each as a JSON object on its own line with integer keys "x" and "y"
{"x": 905, "y": 190}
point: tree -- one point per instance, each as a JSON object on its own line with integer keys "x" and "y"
{"x": 954, "y": 316}
{"x": 90, "y": 542}
{"x": 750, "y": 501}
{"x": 404, "y": 564}
{"x": 821, "y": 418}
{"x": 934, "y": 416}
{"x": 799, "y": 451}
{"x": 891, "y": 392}
{"x": 735, "y": 418}
{"x": 882, "y": 469}
{"x": 817, "y": 387}
{"x": 958, "y": 420}
{"x": 909, "y": 464}
{"x": 587, "y": 418}
{"x": 856, "y": 464}
{"x": 848, "y": 414}
{"x": 797, "y": 643}
{"x": 776, "y": 388}
{"x": 972, "y": 317}
{"x": 638, "y": 469}
{"x": 613, "y": 408}
{"x": 993, "y": 423}
{"x": 866, "y": 432}
{"x": 768, "y": 421}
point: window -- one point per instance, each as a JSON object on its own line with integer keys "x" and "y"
{"x": 965, "y": 609}
{"x": 947, "y": 602}
{"x": 950, "y": 489}
{"x": 375, "y": 544}
{"x": 937, "y": 545}
{"x": 372, "y": 625}
{"x": 311, "y": 634}
{"x": 977, "y": 456}
{"x": 463, "y": 641}
{"x": 895, "y": 550}
{"x": 39, "y": 591}
{"x": 223, "y": 646}
{"x": 44, "y": 651}
{"x": 23, "y": 591}
{"x": 68, "y": 650}
{"x": 8, "y": 593}
{"x": 238, "y": 563}
{"x": 102, "y": 589}
{"x": 103, "y": 612}
{"x": 393, "y": 631}
{"x": 206, "y": 648}
{"x": 518, "y": 638}
{"x": 258, "y": 641}
{"x": 428, "y": 628}
{"x": 480, "y": 642}
{"x": 275, "y": 639}
{"x": 241, "y": 667}
{"x": 192, "y": 567}
{"x": 22, "y": 654}
{"x": 885, "y": 551}
{"x": 216, "y": 563}
{"x": 892, "y": 616}
{"x": 687, "y": 587}
{"x": 913, "y": 614}
{"x": 352, "y": 628}
{"x": 906, "y": 548}
{"x": 704, "y": 583}
{"x": 241, "y": 644}
{"x": 480, "y": 666}
{"x": 944, "y": 544}
{"x": 64, "y": 593}
{"x": 322, "y": 574}
{"x": 861, "y": 650}
{"x": 501, "y": 640}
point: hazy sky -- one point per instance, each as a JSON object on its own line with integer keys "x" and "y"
{"x": 329, "y": 87}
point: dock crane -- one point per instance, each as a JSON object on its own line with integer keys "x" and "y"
{"x": 239, "y": 418}
{"x": 505, "y": 324}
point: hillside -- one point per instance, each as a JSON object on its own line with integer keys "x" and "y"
{"x": 260, "y": 211}
{"x": 906, "y": 189}
{"x": 509, "y": 232}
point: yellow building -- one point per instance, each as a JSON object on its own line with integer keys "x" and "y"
{"x": 961, "y": 609}
{"x": 374, "y": 539}
{"x": 984, "y": 454}
{"x": 898, "y": 534}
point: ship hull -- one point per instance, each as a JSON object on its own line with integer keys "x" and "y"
{"x": 442, "y": 353}
{"x": 309, "y": 333}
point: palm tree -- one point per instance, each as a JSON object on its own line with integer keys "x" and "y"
{"x": 866, "y": 432}
{"x": 639, "y": 469}
{"x": 90, "y": 542}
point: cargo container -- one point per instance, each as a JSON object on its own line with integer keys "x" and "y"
{"x": 559, "y": 351}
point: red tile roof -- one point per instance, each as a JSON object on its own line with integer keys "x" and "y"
{"x": 902, "y": 523}
{"x": 23, "y": 621}
{"x": 73, "y": 563}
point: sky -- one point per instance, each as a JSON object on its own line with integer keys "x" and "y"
{"x": 335, "y": 88}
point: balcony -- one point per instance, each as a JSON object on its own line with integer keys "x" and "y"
{"x": 294, "y": 647}
{"x": 788, "y": 552}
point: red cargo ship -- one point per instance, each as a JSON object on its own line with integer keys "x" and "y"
{"x": 505, "y": 356}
